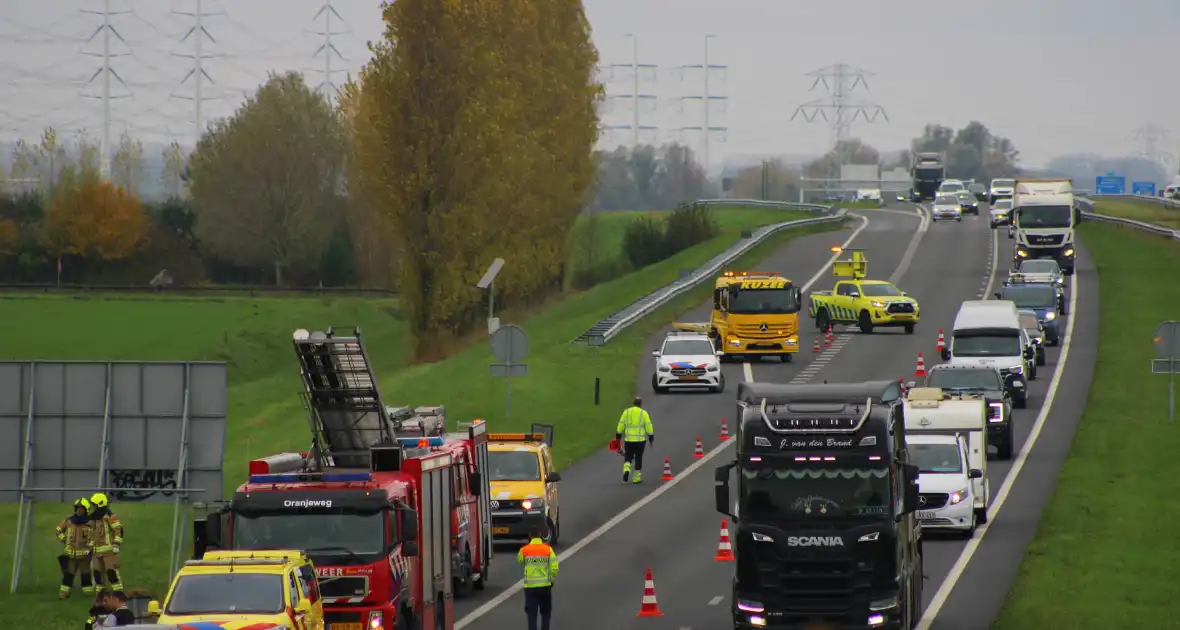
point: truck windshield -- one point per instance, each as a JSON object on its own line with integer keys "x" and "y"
{"x": 1039, "y": 266}
{"x": 923, "y": 173}
{"x": 958, "y": 379}
{"x": 1045, "y": 216}
{"x": 349, "y": 535}
{"x": 987, "y": 346}
{"x": 879, "y": 290}
{"x": 514, "y": 466}
{"x": 687, "y": 347}
{"x": 1042, "y": 296}
{"x": 937, "y": 458}
{"x": 1003, "y": 183}
{"x": 227, "y": 593}
{"x": 778, "y": 301}
{"x": 813, "y": 492}
{"x": 1002, "y": 204}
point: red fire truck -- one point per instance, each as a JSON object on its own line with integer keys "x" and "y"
{"x": 378, "y": 512}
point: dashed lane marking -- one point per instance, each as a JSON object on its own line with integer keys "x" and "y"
{"x": 716, "y": 600}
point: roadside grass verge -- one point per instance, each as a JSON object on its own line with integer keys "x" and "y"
{"x": 1106, "y": 551}
{"x": 558, "y": 391}
{"x": 1144, "y": 211}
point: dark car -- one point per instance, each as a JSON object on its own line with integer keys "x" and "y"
{"x": 986, "y": 381}
{"x": 969, "y": 203}
{"x": 979, "y": 190}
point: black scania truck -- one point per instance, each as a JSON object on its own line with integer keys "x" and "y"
{"x": 826, "y": 535}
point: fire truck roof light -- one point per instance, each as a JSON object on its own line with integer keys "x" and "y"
{"x": 516, "y": 437}
{"x": 297, "y": 477}
{"x": 415, "y": 442}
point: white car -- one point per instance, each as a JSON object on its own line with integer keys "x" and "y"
{"x": 947, "y": 208}
{"x": 687, "y": 360}
{"x": 1001, "y": 188}
{"x": 1001, "y": 212}
{"x": 945, "y": 502}
{"x": 951, "y": 186}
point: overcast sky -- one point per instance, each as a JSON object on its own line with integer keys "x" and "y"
{"x": 1055, "y": 76}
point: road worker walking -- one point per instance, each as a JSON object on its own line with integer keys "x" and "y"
{"x": 74, "y": 533}
{"x": 540, "y": 569}
{"x": 106, "y": 538}
{"x": 636, "y": 432}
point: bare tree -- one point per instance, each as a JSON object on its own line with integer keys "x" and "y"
{"x": 127, "y": 163}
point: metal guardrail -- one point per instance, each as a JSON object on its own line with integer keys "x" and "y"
{"x": 608, "y": 328}
{"x": 1164, "y": 202}
{"x": 193, "y": 290}
{"x": 1090, "y": 215}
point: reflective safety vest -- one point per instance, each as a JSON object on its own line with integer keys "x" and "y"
{"x": 540, "y": 564}
{"x": 635, "y": 425}
{"x": 106, "y": 532}
{"x": 75, "y": 533}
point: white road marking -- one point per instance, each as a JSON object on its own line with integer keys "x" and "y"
{"x": 904, "y": 265}
{"x": 960, "y": 566}
{"x": 716, "y": 600}
{"x": 991, "y": 275}
{"x": 749, "y": 372}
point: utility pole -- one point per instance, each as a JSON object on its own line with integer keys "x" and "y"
{"x": 637, "y": 99}
{"x": 327, "y": 49}
{"x": 840, "y": 109}
{"x": 707, "y": 100}
{"x": 107, "y": 29}
{"x": 1152, "y": 136}
{"x": 198, "y": 73}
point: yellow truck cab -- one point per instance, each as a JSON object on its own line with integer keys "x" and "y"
{"x": 260, "y": 587}
{"x": 755, "y": 313}
{"x": 867, "y": 304}
{"x": 523, "y": 485}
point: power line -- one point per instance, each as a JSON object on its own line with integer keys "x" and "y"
{"x": 840, "y": 109}
{"x": 637, "y": 99}
{"x": 1153, "y": 136}
{"x": 199, "y": 75}
{"x": 327, "y": 49}
{"x": 707, "y": 100}
{"x": 107, "y": 29}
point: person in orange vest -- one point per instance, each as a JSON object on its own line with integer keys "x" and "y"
{"x": 540, "y": 569}
{"x": 74, "y": 533}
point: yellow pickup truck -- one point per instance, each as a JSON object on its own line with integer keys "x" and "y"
{"x": 867, "y": 304}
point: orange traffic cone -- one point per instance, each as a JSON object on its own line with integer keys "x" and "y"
{"x": 828, "y": 340}
{"x": 831, "y": 334}
{"x": 667, "y": 476}
{"x": 649, "y": 608}
{"x": 698, "y": 452}
{"x": 815, "y": 348}
{"x": 920, "y": 369}
{"x": 724, "y": 430}
{"x": 941, "y": 341}
{"x": 724, "y": 549}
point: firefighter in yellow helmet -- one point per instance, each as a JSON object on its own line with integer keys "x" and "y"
{"x": 74, "y": 533}
{"x": 106, "y": 537}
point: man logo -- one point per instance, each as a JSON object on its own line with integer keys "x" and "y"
{"x": 763, "y": 327}
{"x": 495, "y": 505}
{"x": 924, "y": 422}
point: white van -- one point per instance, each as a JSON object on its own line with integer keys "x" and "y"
{"x": 945, "y": 480}
{"x": 989, "y": 332}
{"x": 929, "y": 410}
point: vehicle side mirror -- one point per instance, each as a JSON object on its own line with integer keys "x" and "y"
{"x": 655, "y": 353}
{"x": 475, "y": 483}
{"x": 721, "y": 489}
{"x": 303, "y": 607}
{"x": 410, "y": 548}
{"x": 1018, "y": 385}
{"x": 905, "y": 294}
{"x": 854, "y": 294}
{"x": 911, "y": 384}
{"x": 912, "y": 496}
{"x": 553, "y": 477}
{"x": 998, "y": 295}
{"x": 719, "y": 353}
{"x": 1029, "y": 352}
{"x": 409, "y": 523}
{"x": 975, "y": 473}
{"x": 946, "y": 354}
{"x": 154, "y": 608}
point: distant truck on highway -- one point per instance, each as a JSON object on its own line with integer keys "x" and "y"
{"x": 927, "y": 172}
{"x": 1044, "y": 216}
{"x": 825, "y": 520}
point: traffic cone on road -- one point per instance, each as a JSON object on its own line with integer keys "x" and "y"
{"x": 649, "y": 607}
{"x": 724, "y": 548}
{"x": 941, "y": 341}
{"x": 831, "y": 335}
{"x": 698, "y": 451}
{"x": 815, "y": 348}
{"x": 667, "y": 476}
{"x": 724, "y": 430}
{"x": 828, "y": 340}
{"x": 920, "y": 369}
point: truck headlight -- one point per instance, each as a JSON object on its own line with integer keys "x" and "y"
{"x": 884, "y": 603}
{"x": 532, "y": 504}
{"x": 1021, "y": 252}
{"x": 1050, "y": 316}
{"x": 957, "y": 497}
{"x": 1061, "y": 280}
{"x": 735, "y": 342}
{"x": 878, "y": 304}
{"x": 1069, "y": 251}
{"x": 748, "y": 606}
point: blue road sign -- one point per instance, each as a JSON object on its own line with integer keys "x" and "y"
{"x": 1143, "y": 188}
{"x": 1110, "y": 185}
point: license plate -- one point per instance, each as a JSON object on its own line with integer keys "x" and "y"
{"x": 688, "y": 378}
{"x": 927, "y": 515}
{"x": 499, "y": 530}
{"x": 346, "y": 626}
{"x": 903, "y": 317}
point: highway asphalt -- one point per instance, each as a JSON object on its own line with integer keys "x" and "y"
{"x": 676, "y": 532}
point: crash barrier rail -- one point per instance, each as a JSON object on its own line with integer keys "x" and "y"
{"x": 193, "y": 290}
{"x": 1090, "y": 215}
{"x": 608, "y": 328}
{"x": 1172, "y": 204}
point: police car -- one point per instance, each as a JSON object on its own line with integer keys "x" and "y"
{"x": 1042, "y": 270}
{"x": 687, "y": 360}
{"x": 947, "y": 208}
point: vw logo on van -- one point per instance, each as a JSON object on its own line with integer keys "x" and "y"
{"x": 495, "y": 505}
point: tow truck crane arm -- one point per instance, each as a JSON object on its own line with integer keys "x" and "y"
{"x": 855, "y": 265}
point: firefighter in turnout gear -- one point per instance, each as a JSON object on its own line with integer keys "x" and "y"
{"x": 540, "y": 569}
{"x": 74, "y": 533}
{"x": 106, "y": 537}
{"x": 636, "y": 432}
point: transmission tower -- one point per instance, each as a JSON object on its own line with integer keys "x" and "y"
{"x": 107, "y": 72}
{"x": 1152, "y": 136}
{"x": 707, "y": 100}
{"x": 637, "y": 99}
{"x": 328, "y": 49}
{"x": 198, "y": 74}
{"x": 840, "y": 109}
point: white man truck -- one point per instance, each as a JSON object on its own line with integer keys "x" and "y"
{"x": 1044, "y": 218}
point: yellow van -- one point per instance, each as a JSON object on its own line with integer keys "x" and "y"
{"x": 273, "y": 586}
{"x": 523, "y": 483}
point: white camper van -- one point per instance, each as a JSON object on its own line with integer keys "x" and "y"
{"x": 945, "y": 479}
{"x": 928, "y": 410}
{"x": 989, "y": 332}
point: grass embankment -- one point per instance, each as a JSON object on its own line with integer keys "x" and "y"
{"x": 1106, "y": 552}
{"x": 1146, "y": 211}
{"x": 559, "y": 391}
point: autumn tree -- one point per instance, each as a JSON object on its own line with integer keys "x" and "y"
{"x": 52, "y": 157}
{"x": 172, "y": 176}
{"x": 25, "y": 166}
{"x": 850, "y": 151}
{"x": 265, "y": 182}
{"x": 973, "y": 152}
{"x": 474, "y": 137}
{"x": 781, "y": 183}
{"x": 127, "y": 163}
{"x": 94, "y": 219}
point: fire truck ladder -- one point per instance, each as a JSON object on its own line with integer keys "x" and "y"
{"x": 345, "y": 407}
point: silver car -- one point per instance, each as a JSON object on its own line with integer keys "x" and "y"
{"x": 1001, "y": 212}
{"x": 947, "y": 208}
{"x": 1035, "y": 331}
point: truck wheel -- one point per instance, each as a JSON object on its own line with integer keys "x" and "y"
{"x": 970, "y": 533}
{"x": 1020, "y": 402}
{"x": 554, "y": 531}
{"x": 786, "y": 357}
{"x": 865, "y": 322}
{"x": 1041, "y": 356}
{"x": 406, "y": 620}
{"x": 464, "y": 581}
{"x": 656, "y": 388}
{"x": 822, "y": 320}
{"x": 981, "y": 516}
{"x": 720, "y": 385}
{"x": 1004, "y": 448}
{"x": 909, "y": 329}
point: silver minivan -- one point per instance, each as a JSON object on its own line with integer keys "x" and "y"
{"x": 989, "y": 332}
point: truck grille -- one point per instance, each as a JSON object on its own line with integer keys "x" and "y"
{"x": 334, "y": 616}
{"x": 900, "y": 307}
{"x": 806, "y": 590}
{"x": 754, "y": 331}
{"x": 502, "y": 504}
{"x": 1045, "y": 239}
{"x": 932, "y": 501}
{"x": 344, "y": 590}
{"x": 689, "y": 372}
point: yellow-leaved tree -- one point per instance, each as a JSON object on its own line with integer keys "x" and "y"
{"x": 94, "y": 219}
{"x": 473, "y": 126}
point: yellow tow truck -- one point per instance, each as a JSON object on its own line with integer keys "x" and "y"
{"x": 755, "y": 313}
{"x": 867, "y": 304}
